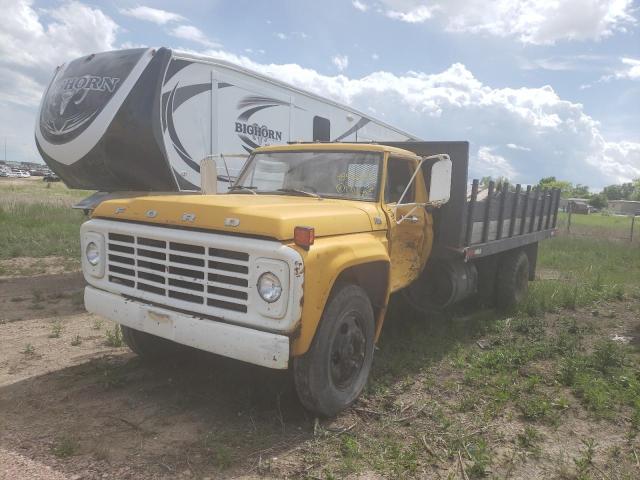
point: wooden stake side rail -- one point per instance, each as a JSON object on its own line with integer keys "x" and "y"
{"x": 508, "y": 218}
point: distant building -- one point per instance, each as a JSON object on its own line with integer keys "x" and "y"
{"x": 624, "y": 207}
{"x": 579, "y": 205}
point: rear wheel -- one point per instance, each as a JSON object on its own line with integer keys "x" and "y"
{"x": 512, "y": 279}
{"x": 147, "y": 345}
{"x": 332, "y": 374}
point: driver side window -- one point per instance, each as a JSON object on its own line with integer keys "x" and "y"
{"x": 399, "y": 174}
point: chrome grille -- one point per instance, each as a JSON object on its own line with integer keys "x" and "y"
{"x": 197, "y": 274}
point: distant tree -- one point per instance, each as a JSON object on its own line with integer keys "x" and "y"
{"x": 551, "y": 182}
{"x": 580, "y": 191}
{"x": 624, "y": 191}
{"x": 598, "y": 201}
{"x": 484, "y": 181}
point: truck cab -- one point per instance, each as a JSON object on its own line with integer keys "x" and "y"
{"x": 292, "y": 268}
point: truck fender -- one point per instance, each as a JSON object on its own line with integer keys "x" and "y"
{"x": 365, "y": 261}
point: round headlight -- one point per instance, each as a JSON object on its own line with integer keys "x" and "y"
{"x": 269, "y": 287}
{"x": 93, "y": 253}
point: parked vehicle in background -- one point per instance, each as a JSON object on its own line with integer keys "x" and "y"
{"x": 177, "y": 108}
{"x": 51, "y": 177}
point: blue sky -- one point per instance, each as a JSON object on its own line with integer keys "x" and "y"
{"x": 538, "y": 87}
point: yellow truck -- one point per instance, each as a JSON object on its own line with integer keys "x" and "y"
{"x": 293, "y": 267}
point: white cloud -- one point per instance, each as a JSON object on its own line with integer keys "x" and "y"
{"x": 193, "y": 34}
{"x": 341, "y": 62}
{"x": 416, "y": 14}
{"x": 18, "y": 88}
{"x": 531, "y": 21}
{"x": 75, "y": 29}
{"x": 154, "y": 15}
{"x": 281, "y": 36}
{"x": 562, "y": 63}
{"x": 631, "y": 70}
{"x": 375, "y": 56}
{"x": 357, "y": 4}
{"x": 493, "y": 165}
{"x": 513, "y": 146}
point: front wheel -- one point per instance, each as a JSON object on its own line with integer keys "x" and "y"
{"x": 333, "y": 373}
{"x": 147, "y": 345}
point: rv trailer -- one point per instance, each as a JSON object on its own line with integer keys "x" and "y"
{"x": 143, "y": 119}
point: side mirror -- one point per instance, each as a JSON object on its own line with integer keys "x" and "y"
{"x": 208, "y": 176}
{"x": 440, "y": 186}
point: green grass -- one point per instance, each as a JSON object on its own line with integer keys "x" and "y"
{"x": 588, "y": 271}
{"x": 39, "y": 230}
{"x": 598, "y": 225}
{"x": 36, "y": 221}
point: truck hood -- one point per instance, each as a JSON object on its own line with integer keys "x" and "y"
{"x": 273, "y": 216}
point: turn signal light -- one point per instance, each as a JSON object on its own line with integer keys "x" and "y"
{"x": 304, "y": 236}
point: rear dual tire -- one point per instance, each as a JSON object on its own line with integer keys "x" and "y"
{"x": 512, "y": 280}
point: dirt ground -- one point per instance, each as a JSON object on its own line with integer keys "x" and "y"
{"x": 73, "y": 407}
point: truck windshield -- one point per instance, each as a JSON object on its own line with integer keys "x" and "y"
{"x": 348, "y": 175}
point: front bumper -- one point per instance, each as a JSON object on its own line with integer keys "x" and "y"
{"x": 246, "y": 344}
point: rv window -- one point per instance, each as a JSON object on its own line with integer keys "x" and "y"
{"x": 321, "y": 129}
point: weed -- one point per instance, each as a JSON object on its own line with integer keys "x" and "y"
{"x": 608, "y": 355}
{"x": 349, "y": 447}
{"x": 114, "y": 337}
{"x": 29, "y": 349}
{"x": 529, "y": 439}
{"x": 64, "y": 446}
{"x": 37, "y": 295}
{"x": 479, "y": 452}
{"x": 535, "y": 407}
{"x": 76, "y": 341}
{"x": 97, "y": 324}
{"x": 585, "y": 461}
{"x": 56, "y": 330}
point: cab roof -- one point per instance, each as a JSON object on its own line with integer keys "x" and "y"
{"x": 336, "y": 146}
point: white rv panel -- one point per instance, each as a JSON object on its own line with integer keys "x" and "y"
{"x": 170, "y": 110}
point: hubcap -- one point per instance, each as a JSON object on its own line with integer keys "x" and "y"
{"x": 347, "y": 351}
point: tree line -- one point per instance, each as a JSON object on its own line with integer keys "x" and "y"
{"x": 623, "y": 191}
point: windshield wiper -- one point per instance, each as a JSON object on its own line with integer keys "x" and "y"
{"x": 295, "y": 190}
{"x": 248, "y": 188}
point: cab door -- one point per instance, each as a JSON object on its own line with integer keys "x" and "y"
{"x": 407, "y": 236}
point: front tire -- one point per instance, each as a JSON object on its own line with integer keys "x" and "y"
{"x": 335, "y": 369}
{"x": 147, "y": 345}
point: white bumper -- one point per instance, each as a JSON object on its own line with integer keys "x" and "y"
{"x": 246, "y": 344}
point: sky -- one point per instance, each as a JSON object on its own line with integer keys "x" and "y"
{"x": 538, "y": 87}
